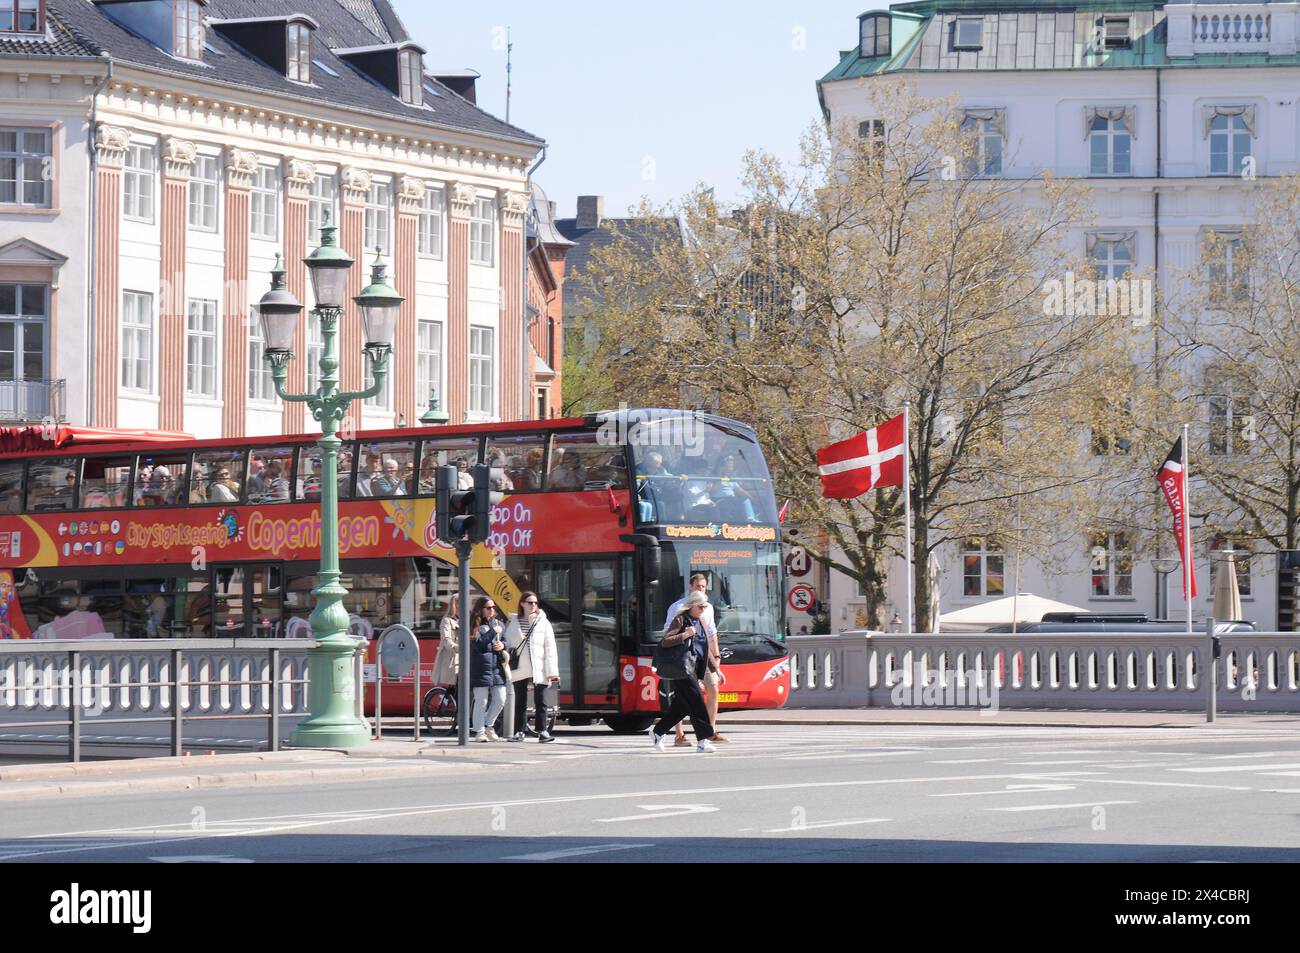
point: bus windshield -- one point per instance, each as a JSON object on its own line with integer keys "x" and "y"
{"x": 692, "y": 470}
{"x": 744, "y": 588}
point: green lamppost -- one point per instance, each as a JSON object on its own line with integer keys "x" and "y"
{"x": 332, "y": 721}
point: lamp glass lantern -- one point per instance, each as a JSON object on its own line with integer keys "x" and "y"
{"x": 279, "y": 311}
{"x": 327, "y": 267}
{"x": 378, "y": 305}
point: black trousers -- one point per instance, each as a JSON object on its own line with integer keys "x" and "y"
{"x": 521, "y": 705}
{"x": 687, "y": 700}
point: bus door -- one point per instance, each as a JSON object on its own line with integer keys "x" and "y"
{"x": 247, "y": 600}
{"x": 580, "y": 597}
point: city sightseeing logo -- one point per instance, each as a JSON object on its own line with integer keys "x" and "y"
{"x": 229, "y": 521}
{"x": 727, "y": 531}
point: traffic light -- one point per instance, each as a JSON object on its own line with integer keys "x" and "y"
{"x": 466, "y": 513}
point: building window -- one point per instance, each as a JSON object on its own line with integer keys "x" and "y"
{"x": 1229, "y": 144}
{"x": 20, "y": 16}
{"x": 138, "y": 184}
{"x": 137, "y": 341}
{"x": 483, "y": 231}
{"x": 384, "y": 399}
{"x": 986, "y": 129}
{"x": 982, "y": 573}
{"x": 875, "y": 36}
{"x": 428, "y": 362}
{"x": 378, "y": 216}
{"x": 410, "y": 71}
{"x": 967, "y": 33}
{"x": 315, "y": 351}
{"x": 871, "y": 132}
{"x": 1110, "y": 146}
{"x": 1113, "y": 259}
{"x": 26, "y": 167}
{"x": 430, "y": 234}
{"x": 264, "y": 203}
{"x": 1241, "y": 546}
{"x": 1226, "y": 271}
{"x": 320, "y": 206}
{"x": 261, "y": 386}
{"x": 1232, "y": 424}
{"x": 1113, "y": 422}
{"x": 298, "y": 38}
{"x": 481, "y": 383}
{"x": 1112, "y": 564}
{"x": 1113, "y": 32}
{"x": 204, "y": 185}
{"x": 24, "y": 333}
{"x": 187, "y": 34}
{"x": 201, "y": 348}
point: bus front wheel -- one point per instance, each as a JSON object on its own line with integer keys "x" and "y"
{"x": 629, "y": 724}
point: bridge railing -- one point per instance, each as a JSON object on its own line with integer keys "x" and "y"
{"x": 152, "y": 688}
{"x": 1257, "y": 671}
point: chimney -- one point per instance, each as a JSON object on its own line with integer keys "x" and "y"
{"x": 551, "y": 207}
{"x": 591, "y": 209}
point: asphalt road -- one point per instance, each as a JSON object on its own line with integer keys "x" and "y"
{"x": 775, "y": 793}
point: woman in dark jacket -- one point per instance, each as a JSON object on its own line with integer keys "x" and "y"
{"x": 487, "y": 638}
{"x": 687, "y": 699}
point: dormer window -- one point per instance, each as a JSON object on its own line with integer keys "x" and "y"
{"x": 874, "y": 35}
{"x": 20, "y": 16}
{"x": 410, "y": 76}
{"x": 1114, "y": 32}
{"x": 187, "y": 29}
{"x": 298, "y": 58}
{"x": 967, "y": 33}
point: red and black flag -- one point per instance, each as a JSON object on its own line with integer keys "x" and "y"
{"x": 1173, "y": 483}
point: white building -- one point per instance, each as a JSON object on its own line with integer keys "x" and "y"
{"x": 181, "y": 145}
{"x": 1160, "y": 107}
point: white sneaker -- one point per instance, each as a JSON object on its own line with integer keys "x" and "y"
{"x": 517, "y": 736}
{"x": 705, "y": 745}
{"x": 491, "y": 735}
{"x": 656, "y": 740}
{"x": 481, "y": 737}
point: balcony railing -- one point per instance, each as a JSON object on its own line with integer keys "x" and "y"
{"x": 1197, "y": 28}
{"x": 32, "y": 402}
{"x": 1230, "y": 31}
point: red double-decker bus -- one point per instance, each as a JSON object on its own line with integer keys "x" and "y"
{"x": 606, "y": 517}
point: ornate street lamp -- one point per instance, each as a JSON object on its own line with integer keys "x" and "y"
{"x": 332, "y": 721}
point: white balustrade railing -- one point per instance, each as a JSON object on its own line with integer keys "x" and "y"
{"x": 1229, "y": 31}
{"x": 1257, "y": 671}
{"x": 1206, "y": 28}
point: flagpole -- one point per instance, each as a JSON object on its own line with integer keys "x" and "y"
{"x": 907, "y": 513}
{"x": 1187, "y": 531}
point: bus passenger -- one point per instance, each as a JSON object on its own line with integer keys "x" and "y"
{"x": 387, "y": 482}
{"x": 428, "y": 475}
{"x": 568, "y": 473}
{"x": 732, "y": 499}
{"x": 486, "y": 675}
{"x": 274, "y": 486}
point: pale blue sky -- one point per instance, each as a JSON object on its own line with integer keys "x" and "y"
{"x": 645, "y": 98}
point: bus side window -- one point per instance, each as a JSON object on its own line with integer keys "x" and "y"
{"x": 216, "y": 476}
{"x": 578, "y": 462}
{"x": 160, "y": 479}
{"x": 11, "y": 486}
{"x": 50, "y": 483}
{"x": 104, "y": 482}
{"x": 270, "y": 472}
{"x": 310, "y": 471}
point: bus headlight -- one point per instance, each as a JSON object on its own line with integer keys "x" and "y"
{"x": 776, "y": 671}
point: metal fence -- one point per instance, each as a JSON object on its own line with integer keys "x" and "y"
{"x": 158, "y": 687}
{"x": 1257, "y": 671}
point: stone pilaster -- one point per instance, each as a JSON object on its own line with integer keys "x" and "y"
{"x": 177, "y": 162}
{"x": 241, "y": 166}
{"x": 110, "y": 153}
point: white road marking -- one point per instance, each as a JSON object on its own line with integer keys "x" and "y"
{"x": 966, "y": 761}
{"x": 1225, "y": 768}
{"x": 663, "y": 810}
{"x": 1044, "y": 764}
{"x": 1010, "y": 789}
{"x": 1056, "y": 807}
{"x": 202, "y": 859}
{"x": 576, "y": 852}
{"x": 821, "y": 825}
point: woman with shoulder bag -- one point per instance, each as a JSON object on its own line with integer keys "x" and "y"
{"x": 533, "y": 659}
{"x": 675, "y": 660}
{"x": 446, "y": 666}
{"x": 486, "y": 634}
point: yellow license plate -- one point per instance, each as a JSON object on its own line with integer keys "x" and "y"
{"x": 728, "y": 696}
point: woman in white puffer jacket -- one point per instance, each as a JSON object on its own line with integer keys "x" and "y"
{"x": 532, "y": 638}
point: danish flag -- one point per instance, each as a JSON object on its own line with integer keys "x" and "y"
{"x": 865, "y": 462}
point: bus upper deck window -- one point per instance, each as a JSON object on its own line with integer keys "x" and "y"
{"x": 387, "y": 468}
{"x": 160, "y": 479}
{"x": 218, "y": 476}
{"x": 310, "y": 470}
{"x": 11, "y": 485}
{"x": 104, "y": 482}
{"x": 270, "y": 474}
{"x": 521, "y": 459}
{"x": 51, "y": 484}
{"x": 579, "y": 461}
